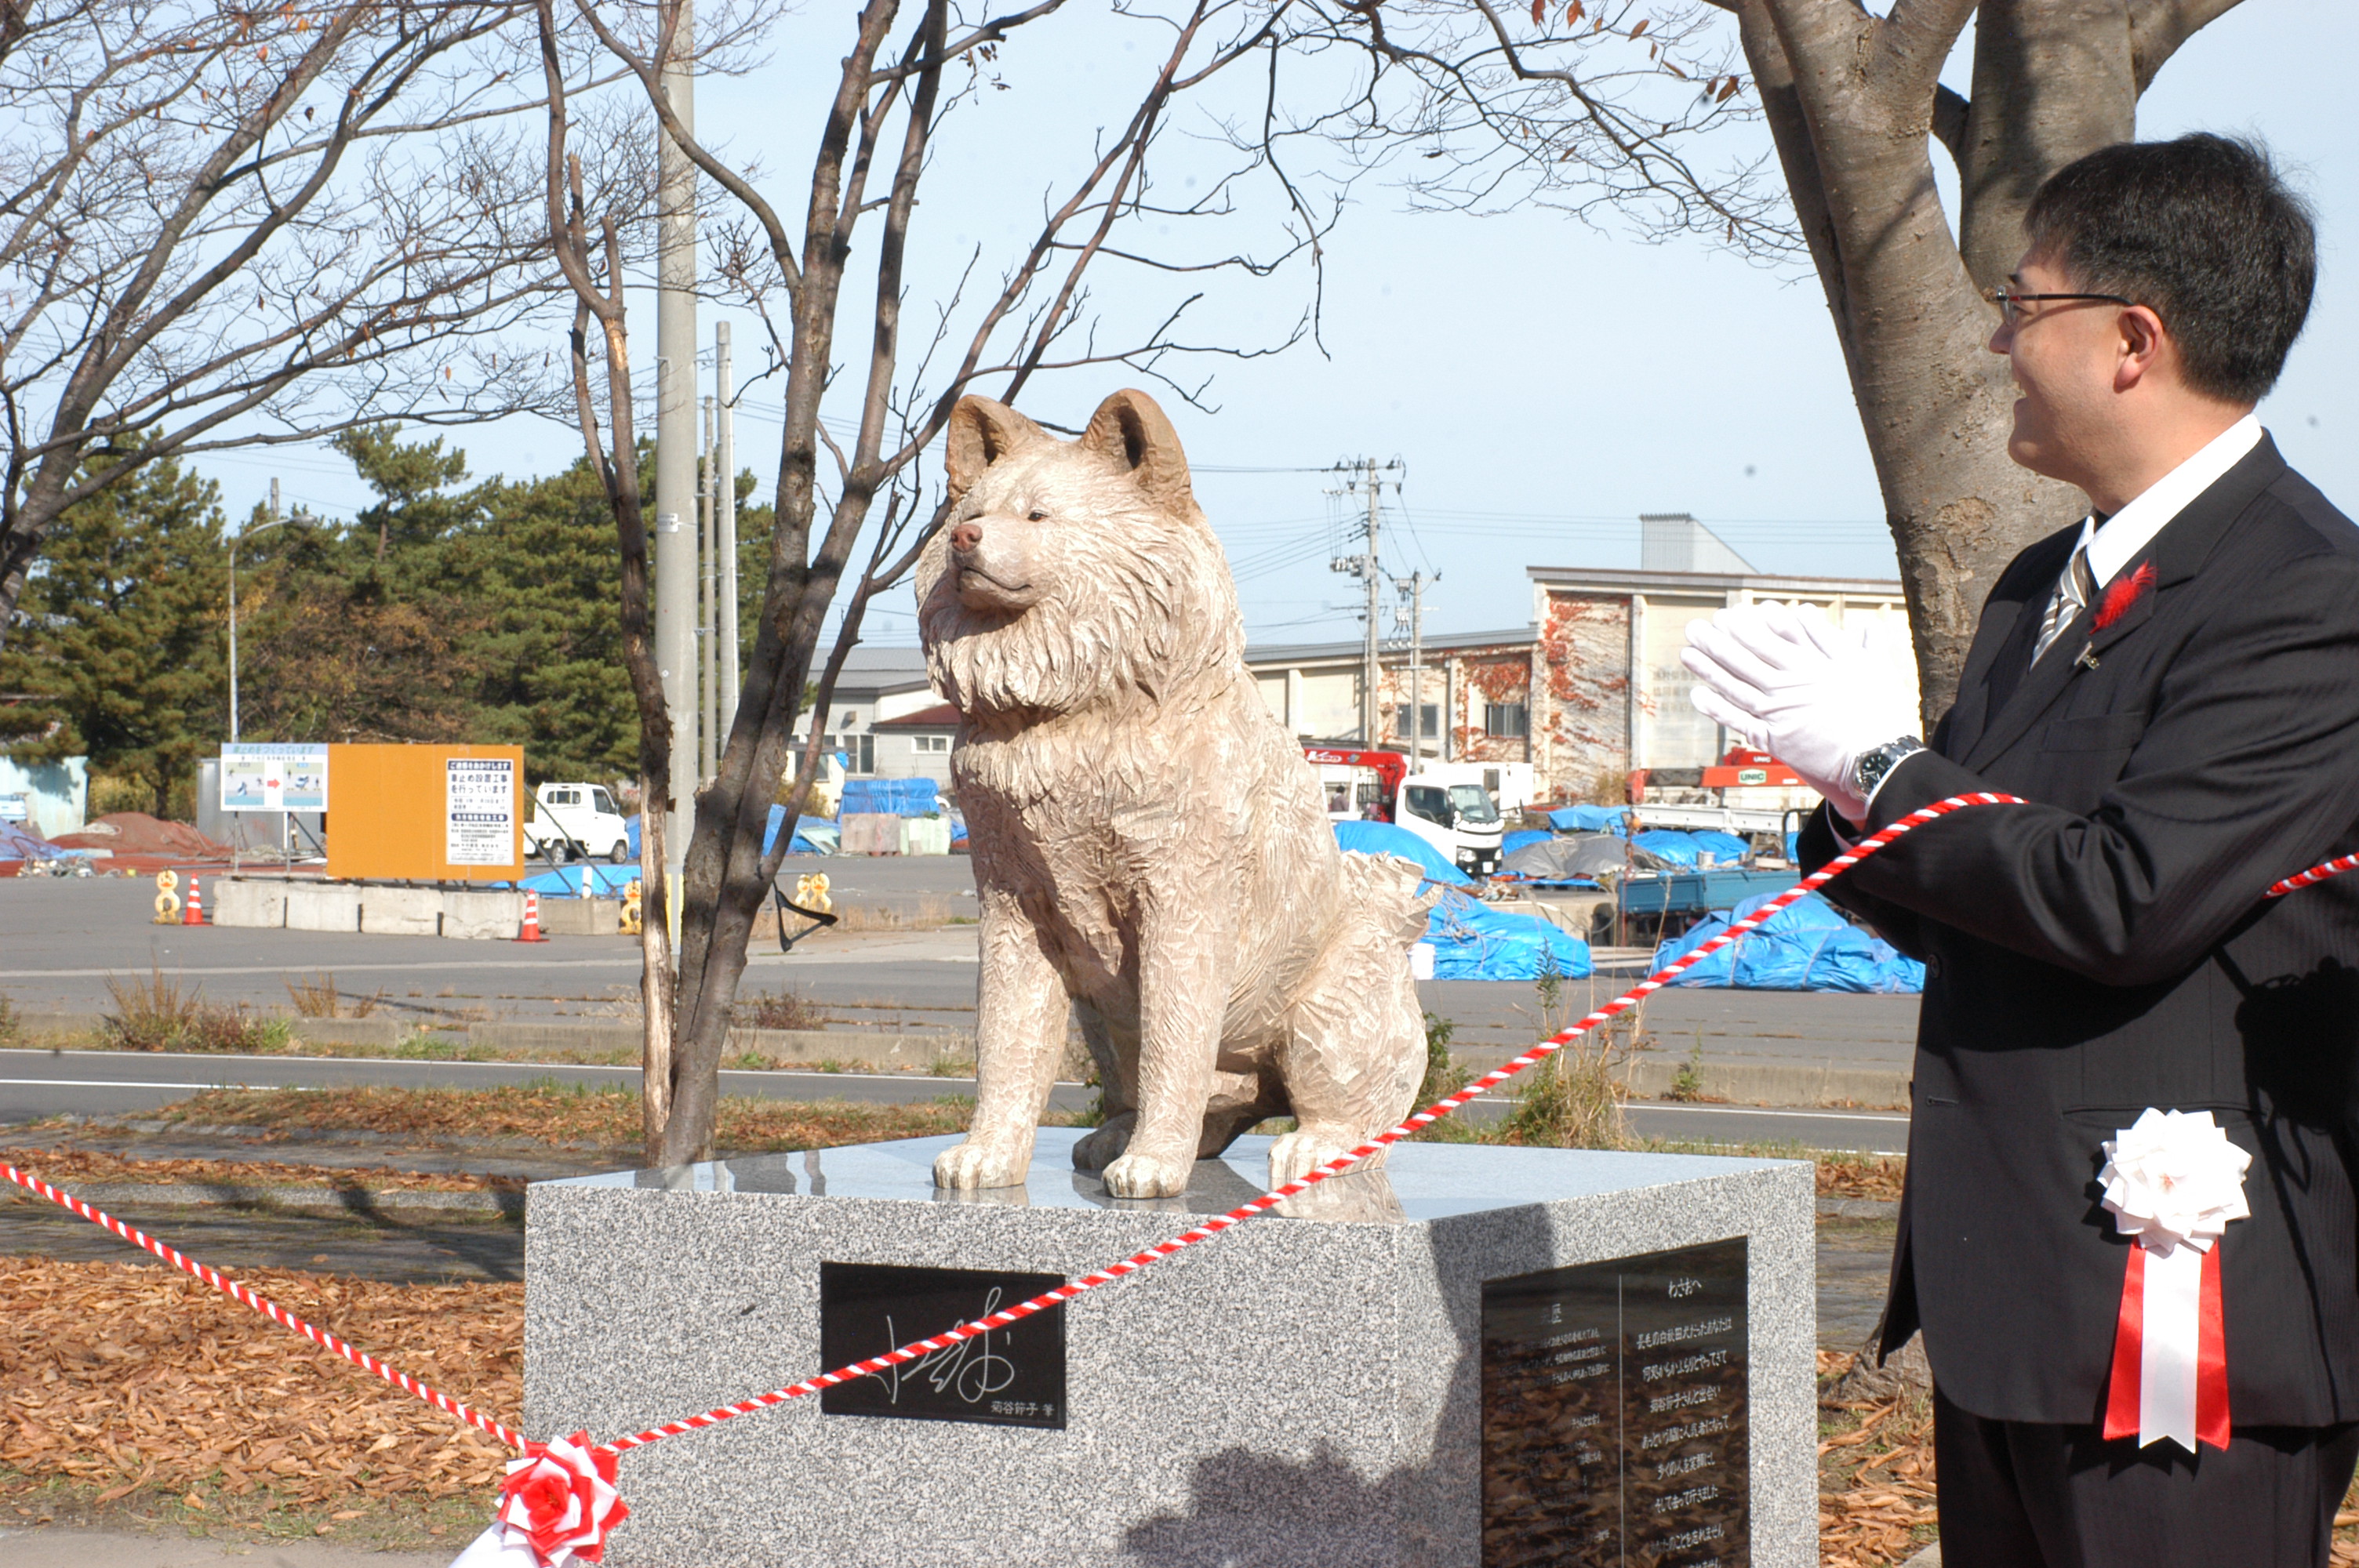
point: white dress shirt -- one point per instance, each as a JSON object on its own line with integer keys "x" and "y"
{"x": 2127, "y": 532}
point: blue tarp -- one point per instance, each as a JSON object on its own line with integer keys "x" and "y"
{"x": 566, "y": 881}
{"x": 631, "y": 831}
{"x": 1680, "y": 848}
{"x": 1521, "y": 837}
{"x": 1384, "y": 838}
{"x": 15, "y": 843}
{"x": 891, "y": 797}
{"x": 1726, "y": 849}
{"x": 1471, "y": 941}
{"x": 1805, "y": 946}
{"x": 813, "y": 835}
{"x": 1588, "y": 819}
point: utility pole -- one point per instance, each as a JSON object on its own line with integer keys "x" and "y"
{"x": 1368, "y": 567}
{"x": 676, "y": 446}
{"x": 708, "y": 656}
{"x": 726, "y": 526}
{"x": 1412, "y": 588}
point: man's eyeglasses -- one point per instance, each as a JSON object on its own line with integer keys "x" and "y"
{"x": 2010, "y": 303}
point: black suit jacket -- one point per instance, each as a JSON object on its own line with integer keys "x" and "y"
{"x": 2106, "y": 948}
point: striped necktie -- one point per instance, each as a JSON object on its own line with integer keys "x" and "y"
{"x": 2074, "y": 590}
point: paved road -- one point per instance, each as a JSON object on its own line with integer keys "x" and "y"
{"x": 114, "y": 1084}
{"x": 63, "y": 940}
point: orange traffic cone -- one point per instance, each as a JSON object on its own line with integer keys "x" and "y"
{"x": 195, "y": 913}
{"x": 531, "y": 932}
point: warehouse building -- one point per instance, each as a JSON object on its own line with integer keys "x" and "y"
{"x": 1590, "y": 692}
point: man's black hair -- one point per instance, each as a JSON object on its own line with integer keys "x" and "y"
{"x": 2201, "y": 230}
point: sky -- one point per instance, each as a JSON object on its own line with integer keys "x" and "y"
{"x": 1540, "y": 382}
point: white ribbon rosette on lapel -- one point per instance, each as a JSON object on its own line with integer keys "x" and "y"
{"x": 2172, "y": 1182}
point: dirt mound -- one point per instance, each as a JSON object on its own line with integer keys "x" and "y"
{"x": 136, "y": 833}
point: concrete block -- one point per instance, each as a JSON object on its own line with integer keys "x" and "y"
{"x": 54, "y": 1029}
{"x": 580, "y": 917}
{"x": 558, "y": 1036}
{"x": 401, "y": 911}
{"x": 324, "y": 906}
{"x": 852, "y": 1047}
{"x": 870, "y": 833}
{"x": 235, "y": 902}
{"x": 1394, "y": 1374}
{"x": 925, "y": 836}
{"x": 351, "y": 1031}
{"x": 487, "y": 915}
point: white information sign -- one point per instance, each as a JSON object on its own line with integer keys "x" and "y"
{"x": 271, "y": 777}
{"x": 479, "y": 819}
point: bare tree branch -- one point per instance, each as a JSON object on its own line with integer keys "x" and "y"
{"x": 249, "y": 227}
{"x": 888, "y": 110}
{"x": 2158, "y": 27}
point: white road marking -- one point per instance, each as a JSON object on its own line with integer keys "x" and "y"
{"x": 136, "y": 1083}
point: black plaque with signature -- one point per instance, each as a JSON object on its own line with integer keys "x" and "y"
{"x": 1613, "y": 1413}
{"x": 1005, "y": 1377}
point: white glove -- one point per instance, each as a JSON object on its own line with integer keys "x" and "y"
{"x": 1813, "y": 695}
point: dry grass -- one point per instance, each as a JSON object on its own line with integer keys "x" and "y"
{"x": 122, "y": 1378}
{"x": 593, "y": 1118}
{"x": 159, "y": 1013}
{"x": 932, "y": 913}
{"x": 782, "y": 1009}
{"x": 1574, "y": 1098}
{"x": 317, "y": 998}
{"x": 72, "y": 1168}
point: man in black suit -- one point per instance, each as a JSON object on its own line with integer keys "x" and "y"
{"x": 2172, "y": 684}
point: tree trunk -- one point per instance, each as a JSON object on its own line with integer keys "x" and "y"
{"x": 1866, "y": 1383}
{"x": 1854, "y": 102}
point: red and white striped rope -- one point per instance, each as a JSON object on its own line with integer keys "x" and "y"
{"x": 2316, "y": 873}
{"x": 265, "y": 1305}
{"x": 1136, "y": 1261}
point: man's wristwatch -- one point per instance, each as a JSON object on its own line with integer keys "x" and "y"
{"x": 1873, "y": 765}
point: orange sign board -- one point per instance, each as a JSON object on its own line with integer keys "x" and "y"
{"x": 427, "y": 812}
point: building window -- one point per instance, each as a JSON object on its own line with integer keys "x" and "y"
{"x": 859, "y": 752}
{"x": 1428, "y": 720}
{"x": 1507, "y": 720}
{"x": 934, "y": 743}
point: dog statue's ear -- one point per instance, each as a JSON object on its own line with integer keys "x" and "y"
{"x": 981, "y": 433}
{"x": 1129, "y": 428}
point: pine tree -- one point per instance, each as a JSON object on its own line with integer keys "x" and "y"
{"x": 541, "y": 566}
{"x": 119, "y": 656}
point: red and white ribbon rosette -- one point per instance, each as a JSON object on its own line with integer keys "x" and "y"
{"x": 2172, "y": 1183}
{"x": 557, "y": 1508}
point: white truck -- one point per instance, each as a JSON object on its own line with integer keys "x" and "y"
{"x": 570, "y": 820}
{"x": 1457, "y": 818}
{"x": 1454, "y": 806}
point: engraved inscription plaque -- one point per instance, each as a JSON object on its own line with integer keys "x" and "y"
{"x": 1005, "y": 1377}
{"x": 1613, "y": 1406}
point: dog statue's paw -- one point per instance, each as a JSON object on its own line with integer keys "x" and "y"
{"x": 1138, "y": 1176}
{"x": 973, "y": 1164}
{"x": 1301, "y": 1152}
{"x": 1104, "y": 1145}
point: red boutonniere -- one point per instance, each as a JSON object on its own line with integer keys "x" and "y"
{"x": 2124, "y": 592}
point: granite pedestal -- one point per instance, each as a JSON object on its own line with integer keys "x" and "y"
{"x": 1309, "y": 1391}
